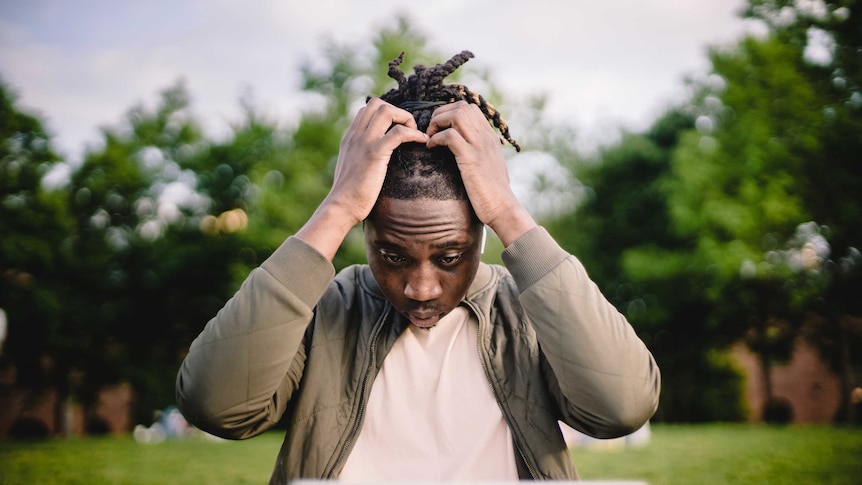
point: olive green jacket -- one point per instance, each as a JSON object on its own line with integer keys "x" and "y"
{"x": 297, "y": 342}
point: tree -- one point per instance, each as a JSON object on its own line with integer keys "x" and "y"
{"x": 138, "y": 274}
{"x": 774, "y": 153}
{"x": 829, "y": 37}
{"x": 33, "y": 223}
{"x": 623, "y": 233}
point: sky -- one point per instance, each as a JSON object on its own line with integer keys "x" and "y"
{"x": 82, "y": 64}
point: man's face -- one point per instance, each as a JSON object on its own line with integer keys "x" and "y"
{"x": 424, "y": 254}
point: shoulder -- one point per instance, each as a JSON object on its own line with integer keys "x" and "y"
{"x": 354, "y": 282}
{"x": 493, "y": 287}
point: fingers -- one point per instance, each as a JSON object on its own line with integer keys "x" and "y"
{"x": 466, "y": 119}
{"x": 386, "y": 125}
{"x": 375, "y": 132}
{"x": 399, "y": 134}
{"x": 451, "y": 139}
{"x": 398, "y": 116}
{"x": 444, "y": 116}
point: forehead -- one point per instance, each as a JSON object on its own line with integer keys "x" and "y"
{"x": 422, "y": 219}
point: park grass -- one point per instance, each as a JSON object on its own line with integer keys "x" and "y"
{"x": 121, "y": 460}
{"x": 695, "y": 454}
{"x": 732, "y": 454}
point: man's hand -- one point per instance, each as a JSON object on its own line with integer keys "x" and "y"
{"x": 363, "y": 156}
{"x": 466, "y": 132}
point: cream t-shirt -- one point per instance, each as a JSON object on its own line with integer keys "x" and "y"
{"x": 431, "y": 414}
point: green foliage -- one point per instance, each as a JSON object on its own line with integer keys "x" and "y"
{"x": 701, "y": 231}
{"x": 33, "y": 223}
{"x": 831, "y": 175}
{"x": 777, "y": 147}
{"x": 142, "y": 278}
{"x": 737, "y": 182}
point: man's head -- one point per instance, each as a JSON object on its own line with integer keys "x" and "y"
{"x": 423, "y": 239}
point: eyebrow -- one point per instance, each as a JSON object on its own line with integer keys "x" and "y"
{"x": 451, "y": 244}
{"x": 443, "y": 245}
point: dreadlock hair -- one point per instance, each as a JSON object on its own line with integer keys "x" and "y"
{"x": 424, "y": 90}
{"x": 415, "y": 171}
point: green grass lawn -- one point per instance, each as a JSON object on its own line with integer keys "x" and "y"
{"x": 702, "y": 455}
{"x": 731, "y": 454}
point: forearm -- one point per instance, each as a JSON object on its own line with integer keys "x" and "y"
{"x": 604, "y": 370}
{"x": 238, "y": 364}
{"x": 327, "y": 228}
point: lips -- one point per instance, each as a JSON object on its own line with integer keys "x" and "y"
{"x": 423, "y": 319}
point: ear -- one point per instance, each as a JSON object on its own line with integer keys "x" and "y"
{"x": 484, "y": 239}
{"x": 367, "y": 227}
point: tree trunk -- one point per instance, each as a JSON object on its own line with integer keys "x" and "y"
{"x": 766, "y": 374}
{"x": 848, "y": 377}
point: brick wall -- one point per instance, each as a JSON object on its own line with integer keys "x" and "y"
{"x": 806, "y": 383}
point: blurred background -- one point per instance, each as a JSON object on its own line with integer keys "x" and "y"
{"x": 701, "y": 158}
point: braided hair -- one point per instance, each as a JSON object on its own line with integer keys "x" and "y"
{"x": 415, "y": 171}
{"x": 423, "y": 91}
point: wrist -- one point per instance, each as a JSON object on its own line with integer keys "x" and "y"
{"x": 512, "y": 224}
{"x": 327, "y": 228}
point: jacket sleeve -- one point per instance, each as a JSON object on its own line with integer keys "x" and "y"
{"x": 608, "y": 379}
{"x": 241, "y": 370}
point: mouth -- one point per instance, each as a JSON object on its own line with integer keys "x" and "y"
{"x": 424, "y": 320}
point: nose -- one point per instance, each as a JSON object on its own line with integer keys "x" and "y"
{"x": 422, "y": 284}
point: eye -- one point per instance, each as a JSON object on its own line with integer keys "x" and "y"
{"x": 392, "y": 258}
{"x": 449, "y": 260}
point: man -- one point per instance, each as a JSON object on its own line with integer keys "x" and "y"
{"x": 426, "y": 363}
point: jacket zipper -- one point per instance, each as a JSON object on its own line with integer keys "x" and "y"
{"x": 364, "y": 398}
{"x": 480, "y": 349}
